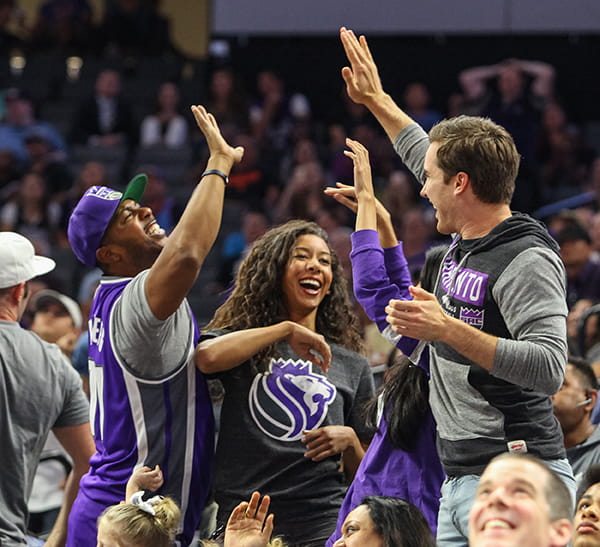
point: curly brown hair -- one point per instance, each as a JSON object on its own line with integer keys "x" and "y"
{"x": 257, "y": 299}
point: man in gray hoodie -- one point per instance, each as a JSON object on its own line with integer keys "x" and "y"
{"x": 495, "y": 321}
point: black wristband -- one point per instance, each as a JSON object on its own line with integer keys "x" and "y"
{"x": 216, "y": 172}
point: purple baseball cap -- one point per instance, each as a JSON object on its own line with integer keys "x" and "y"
{"x": 92, "y": 215}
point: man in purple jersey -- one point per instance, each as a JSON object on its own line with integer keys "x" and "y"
{"x": 149, "y": 404}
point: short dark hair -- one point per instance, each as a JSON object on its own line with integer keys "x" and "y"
{"x": 399, "y": 522}
{"x": 574, "y": 231}
{"x": 482, "y": 149}
{"x": 591, "y": 477}
{"x": 585, "y": 373}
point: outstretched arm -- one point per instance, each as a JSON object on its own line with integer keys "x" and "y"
{"x": 473, "y": 80}
{"x": 232, "y": 349}
{"x": 364, "y": 85}
{"x": 378, "y": 275}
{"x": 543, "y": 77}
{"x": 178, "y": 265}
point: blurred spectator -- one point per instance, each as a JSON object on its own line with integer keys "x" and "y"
{"x": 416, "y": 105}
{"x": 32, "y": 213}
{"x": 156, "y": 196}
{"x": 9, "y": 175}
{"x": 399, "y": 195}
{"x": 339, "y": 165}
{"x": 563, "y": 157}
{"x": 573, "y": 406}
{"x": 575, "y": 337}
{"x": 106, "y": 118}
{"x": 133, "y": 28}
{"x": 594, "y": 231}
{"x": 228, "y": 103}
{"x": 583, "y": 274}
{"x": 302, "y": 151}
{"x": 166, "y": 126}
{"x": 20, "y": 120}
{"x": 276, "y": 116}
{"x": 249, "y": 181}
{"x": 13, "y": 33}
{"x": 416, "y": 234}
{"x": 90, "y": 174}
{"x": 65, "y": 25}
{"x": 57, "y": 320}
{"x": 303, "y": 197}
{"x": 44, "y": 160}
{"x": 238, "y": 244}
{"x": 513, "y": 93}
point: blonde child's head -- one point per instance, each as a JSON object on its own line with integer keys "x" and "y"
{"x": 134, "y": 525}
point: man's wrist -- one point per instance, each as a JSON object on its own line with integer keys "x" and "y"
{"x": 220, "y": 163}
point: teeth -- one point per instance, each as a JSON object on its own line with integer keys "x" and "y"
{"x": 154, "y": 229}
{"x": 310, "y": 284}
{"x": 496, "y": 523}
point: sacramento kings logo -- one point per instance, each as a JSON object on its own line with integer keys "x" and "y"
{"x": 289, "y": 399}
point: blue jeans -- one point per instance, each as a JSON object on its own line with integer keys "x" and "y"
{"x": 458, "y": 494}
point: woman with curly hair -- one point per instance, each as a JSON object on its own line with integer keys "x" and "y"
{"x": 286, "y": 347}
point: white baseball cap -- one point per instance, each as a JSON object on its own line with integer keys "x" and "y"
{"x": 68, "y": 303}
{"x": 18, "y": 261}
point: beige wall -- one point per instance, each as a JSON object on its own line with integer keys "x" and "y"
{"x": 189, "y": 21}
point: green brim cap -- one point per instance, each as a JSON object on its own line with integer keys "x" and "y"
{"x": 135, "y": 188}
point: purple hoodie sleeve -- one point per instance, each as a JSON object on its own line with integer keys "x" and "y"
{"x": 378, "y": 275}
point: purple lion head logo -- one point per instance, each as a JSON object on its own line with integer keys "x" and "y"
{"x": 289, "y": 399}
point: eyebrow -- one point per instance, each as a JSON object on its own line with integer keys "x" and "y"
{"x": 300, "y": 248}
{"x": 514, "y": 482}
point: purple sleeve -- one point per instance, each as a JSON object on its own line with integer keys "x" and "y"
{"x": 378, "y": 275}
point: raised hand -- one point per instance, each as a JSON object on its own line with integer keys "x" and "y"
{"x": 362, "y": 77}
{"x": 144, "y": 479}
{"x": 216, "y": 143}
{"x": 346, "y": 195}
{"x": 249, "y": 525}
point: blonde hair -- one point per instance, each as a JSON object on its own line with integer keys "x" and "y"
{"x": 138, "y": 527}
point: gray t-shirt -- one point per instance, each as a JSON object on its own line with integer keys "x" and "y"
{"x": 262, "y": 421}
{"x": 152, "y": 347}
{"x": 39, "y": 390}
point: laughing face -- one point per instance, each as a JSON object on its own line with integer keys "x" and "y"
{"x": 134, "y": 228}
{"x": 587, "y": 519}
{"x": 307, "y": 277}
{"x": 511, "y": 509}
{"x": 438, "y": 191}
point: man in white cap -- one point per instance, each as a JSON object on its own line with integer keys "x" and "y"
{"x": 39, "y": 392}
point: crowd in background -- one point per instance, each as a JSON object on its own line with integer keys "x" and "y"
{"x": 106, "y": 135}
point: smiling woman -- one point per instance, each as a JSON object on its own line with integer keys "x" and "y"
{"x": 285, "y": 346}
